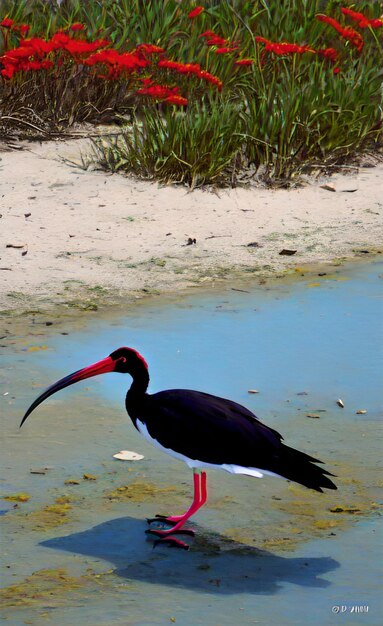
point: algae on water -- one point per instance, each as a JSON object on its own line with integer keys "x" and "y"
{"x": 139, "y": 491}
{"x": 17, "y": 497}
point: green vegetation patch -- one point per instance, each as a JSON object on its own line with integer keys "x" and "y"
{"x": 215, "y": 94}
{"x": 140, "y": 491}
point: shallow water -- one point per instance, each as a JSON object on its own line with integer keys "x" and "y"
{"x": 267, "y": 552}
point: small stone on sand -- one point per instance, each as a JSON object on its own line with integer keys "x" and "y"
{"x": 128, "y": 455}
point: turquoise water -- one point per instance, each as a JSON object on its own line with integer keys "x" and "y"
{"x": 302, "y": 347}
{"x": 324, "y": 340}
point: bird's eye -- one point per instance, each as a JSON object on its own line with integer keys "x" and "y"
{"x": 122, "y": 359}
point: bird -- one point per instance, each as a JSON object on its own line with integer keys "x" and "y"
{"x": 203, "y": 430}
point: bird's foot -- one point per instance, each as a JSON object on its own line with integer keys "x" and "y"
{"x": 166, "y": 533}
{"x": 167, "y": 536}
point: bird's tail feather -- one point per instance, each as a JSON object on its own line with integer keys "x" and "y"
{"x": 300, "y": 468}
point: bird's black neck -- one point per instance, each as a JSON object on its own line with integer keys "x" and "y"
{"x": 140, "y": 382}
{"x": 137, "y": 390}
{"x": 135, "y": 398}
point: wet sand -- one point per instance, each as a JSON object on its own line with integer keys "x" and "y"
{"x": 75, "y": 551}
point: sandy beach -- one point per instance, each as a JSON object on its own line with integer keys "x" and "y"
{"x": 67, "y": 233}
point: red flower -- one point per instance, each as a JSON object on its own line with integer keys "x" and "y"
{"x": 348, "y": 33}
{"x": 146, "y": 49}
{"x": 8, "y": 72}
{"x": 378, "y": 23}
{"x": 216, "y": 41}
{"x": 181, "y": 68}
{"x": 7, "y": 22}
{"x": 177, "y": 100}
{"x": 37, "y": 65}
{"x": 60, "y": 39}
{"x": 244, "y": 62}
{"x": 353, "y": 14}
{"x": 131, "y": 61}
{"x": 210, "y": 78}
{"x": 336, "y": 70}
{"x": 78, "y": 47}
{"x": 195, "y": 12}
{"x": 24, "y": 29}
{"x": 37, "y": 46}
{"x": 363, "y": 21}
{"x": 77, "y": 26}
{"x": 17, "y": 57}
{"x": 282, "y": 48}
{"x": 328, "y": 53}
{"x": 207, "y": 33}
{"x": 46, "y": 65}
{"x": 160, "y": 92}
{"x": 261, "y": 40}
{"x": 191, "y": 68}
{"x": 164, "y": 93}
{"x": 104, "y": 57}
{"x": 225, "y": 50}
{"x": 117, "y": 63}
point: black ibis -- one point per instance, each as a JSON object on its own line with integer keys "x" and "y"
{"x": 202, "y": 430}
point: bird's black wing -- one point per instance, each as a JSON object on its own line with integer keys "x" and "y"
{"x": 208, "y": 428}
{"x": 215, "y": 430}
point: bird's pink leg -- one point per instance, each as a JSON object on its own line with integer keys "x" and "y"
{"x": 195, "y": 505}
{"x": 200, "y": 497}
{"x": 203, "y": 489}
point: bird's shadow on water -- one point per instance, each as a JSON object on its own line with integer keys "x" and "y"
{"x": 214, "y": 563}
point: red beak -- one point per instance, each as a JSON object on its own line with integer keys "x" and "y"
{"x": 101, "y": 367}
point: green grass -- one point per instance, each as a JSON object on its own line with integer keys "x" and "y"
{"x": 202, "y": 144}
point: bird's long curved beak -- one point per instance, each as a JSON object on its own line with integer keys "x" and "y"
{"x": 100, "y": 367}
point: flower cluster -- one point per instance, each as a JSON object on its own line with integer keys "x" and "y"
{"x": 346, "y": 32}
{"x": 117, "y": 64}
{"x": 146, "y": 66}
{"x": 7, "y": 23}
{"x": 149, "y": 49}
{"x": 36, "y": 53}
{"x": 191, "y": 69}
{"x": 162, "y": 93}
{"x": 362, "y": 20}
{"x": 69, "y": 49}
{"x": 23, "y": 29}
{"x": 214, "y": 40}
{"x": 222, "y": 46}
{"x": 283, "y": 48}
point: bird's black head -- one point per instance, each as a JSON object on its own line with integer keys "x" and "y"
{"x": 127, "y": 360}
{"x": 123, "y": 360}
